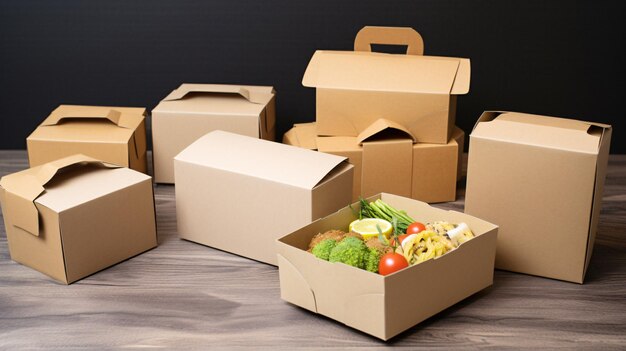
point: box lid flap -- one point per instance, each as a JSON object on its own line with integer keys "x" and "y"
{"x": 24, "y": 187}
{"x": 260, "y": 158}
{"x": 387, "y": 72}
{"x": 384, "y": 128}
{"x": 255, "y": 95}
{"x": 551, "y": 132}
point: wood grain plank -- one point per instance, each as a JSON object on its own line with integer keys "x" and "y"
{"x": 186, "y": 296}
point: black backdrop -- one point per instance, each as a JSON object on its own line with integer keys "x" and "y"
{"x": 557, "y": 58}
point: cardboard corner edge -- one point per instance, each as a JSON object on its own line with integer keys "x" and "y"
{"x": 487, "y": 116}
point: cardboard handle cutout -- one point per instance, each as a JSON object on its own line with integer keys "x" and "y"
{"x": 389, "y": 36}
{"x": 112, "y": 115}
{"x": 255, "y": 98}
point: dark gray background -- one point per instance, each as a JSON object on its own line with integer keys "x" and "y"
{"x": 559, "y": 58}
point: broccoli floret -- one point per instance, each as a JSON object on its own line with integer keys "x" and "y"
{"x": 323, "y": 248}
{"x": 372, "y": 259}
{"x": 351, "y": 251}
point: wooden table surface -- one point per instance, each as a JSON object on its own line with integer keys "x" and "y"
{"x": 187, "y": 296}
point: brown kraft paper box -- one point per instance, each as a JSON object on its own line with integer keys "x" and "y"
{"x": 112, "y": 134}
{"x": 376, "y": 304}
{"x": 540, "y": 179}
{"x": 356, "y": 88}
{"x": 239, "y": 194}
{"x": 422, "y": 171}
{"x": 64, "y": 218}
{"x": 193, "y": 110}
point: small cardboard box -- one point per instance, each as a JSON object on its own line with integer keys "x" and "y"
{"x": 426, "y": 172}
{"x": 193, "y": 110}
{"x": 356, "y": 88}
{"x": 240, "y": 194}
{"x": 112, "y": 134}
{"x": 541, "y": 180}
{"x": 385, "y": 306}
{"x": 64, "y": 218}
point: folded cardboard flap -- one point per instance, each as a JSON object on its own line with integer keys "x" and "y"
{"x": 22, "y": 189}
{"x": 390, "y": 36}
{"x": 255, "y": 97}
{"x": 112, "y": 115}
{"x": 334, "y": 172}
{"x": 381, "y": 128}
{"x": 295, "y": 285}
{"x": 551, "y": 132}
{"x": 349, "y": 70}
{"x": 601, "y": 165}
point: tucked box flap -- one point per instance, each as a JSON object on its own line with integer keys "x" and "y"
{"x": 114, "y": 115}
{"x": 255, "y": 95}
{"x": 24, "y": 187}
{"x": 384, "y": 128}
{"x": 260, "y": 158}
{"x": 551, "y": 132}
{"x": 302, "y": 135}
{"x": 387, "y": 72}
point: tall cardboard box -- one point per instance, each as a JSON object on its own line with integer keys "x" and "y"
{"x": 239, "y": 194}
{"x": 540, "y": 179}
{"x": 64, "y": 218}
{"x": 193, "y": 110}
{"x": 422, "y": 171}
{"x": 356, "y": 88}
{"x": 113, "y": 134}
{"x": 385, "y": 306}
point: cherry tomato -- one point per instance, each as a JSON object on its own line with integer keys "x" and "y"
{"x": 400, "y": 238}
{"x": 391, "y": 262}
{"x": 415, "y": 228}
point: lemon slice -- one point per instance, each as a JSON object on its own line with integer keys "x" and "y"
{"x": 367, "y": 227}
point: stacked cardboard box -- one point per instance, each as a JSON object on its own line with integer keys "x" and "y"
{"x": 392, "y": 115}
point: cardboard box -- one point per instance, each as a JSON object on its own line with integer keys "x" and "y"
{"x": 113, "y": 134}
{"x": 356, "y": 88}
{"x": 386, "y": 151}
{"x": 381, "y": 305}
{"x": 193, "y": 110}
{"x": 541, "y": 180}
{"x": 64, "y": 218}
{"x": 240, "y": 194}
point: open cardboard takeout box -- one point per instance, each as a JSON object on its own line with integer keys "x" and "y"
{"x": 385, "y": 306}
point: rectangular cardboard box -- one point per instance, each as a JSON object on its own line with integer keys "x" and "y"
{"x": 239, "y": 194}
{"x": 385, "y": 306}
{"x": 426, "y": 172}
{"x": 355, "y": 88}
{"x": 112, "y": 134}
{"x": 541, "y": 180}
{"x": 193, "y": 110}
{"x": 64, "y": 218}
